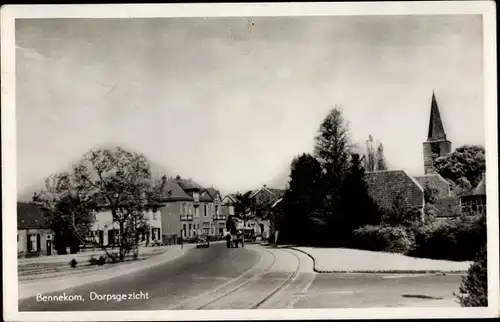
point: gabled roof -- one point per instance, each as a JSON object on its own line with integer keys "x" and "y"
{"x": 30, "y": 216}
{"x": 481, "y": 187}
{"x": 275, "y": 192}
{"x": 385, "y": 186}
{"x": 229, "y": 197}
{"x": 205, "y": 196}
{"x": 277, "y": 202}
{"x": 436, "y": 129}
{"x": 213, "y": 192}
{"x": 436, "y": 181}
{"x": 173, "y": 191}
{"x": 189, "y": 184}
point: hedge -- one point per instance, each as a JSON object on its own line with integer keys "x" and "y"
{"x": 456, "y": 239}
{"x": 383, "y": 238}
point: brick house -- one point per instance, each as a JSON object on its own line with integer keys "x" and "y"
{"x": 34, "y": 237}
{"x": 189, "y": 210}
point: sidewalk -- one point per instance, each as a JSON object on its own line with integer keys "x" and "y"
{"x": 108, "y": 271}
{"x": 341, "y": 260}
{"x": 81, "y": 256}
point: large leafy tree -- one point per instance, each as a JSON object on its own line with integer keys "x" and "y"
{"x": 67, "y": 207}
{"x": 303, "y": 222}
{"x": 464, "y": 167}
{"x": 116, "y": 179}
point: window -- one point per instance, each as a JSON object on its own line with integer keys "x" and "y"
{"x": 190, "y": 227}
{"x": 183, "y": 209}
{"x": 205, "y": 210}
{"x": 196, "y": 196}
{"x": 216, "y": 210}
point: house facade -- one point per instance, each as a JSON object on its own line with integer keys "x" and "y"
{"x": 34, "y": 237}
{"x": 267, "y": 197}
{"x": 105, "y": 232}
{"x": 228, "y": 205}
{"x": 476, "y": 202}
{"x": 189, "y": 210}
{"x": 218, "y": 215}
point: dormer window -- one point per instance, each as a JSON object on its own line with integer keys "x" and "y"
{"x": 196, "y": 196}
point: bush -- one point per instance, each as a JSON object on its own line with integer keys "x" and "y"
{"x": 383, "y": 238}
{"x": 73, "y": 263}
{"x": 93, "y": 260}
{"x": 453, "y": 239}
{"x": 101, "y": 261}
{"x": 473, "y": 289}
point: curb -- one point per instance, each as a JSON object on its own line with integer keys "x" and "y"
{"x": 376, "y": 271}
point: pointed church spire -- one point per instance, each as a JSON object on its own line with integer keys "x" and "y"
{"x": 436, "y": 129}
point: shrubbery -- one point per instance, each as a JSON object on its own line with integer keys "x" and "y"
{"x": 456, "y": 239}
{"x": 453, "y": 239}
{"x": 384, "y": 238}
{"x": 473, "y": 290}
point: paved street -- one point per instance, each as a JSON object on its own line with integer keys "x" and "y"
{"x": 253, "y": 277}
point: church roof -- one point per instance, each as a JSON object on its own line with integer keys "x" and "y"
{"x": 385, "y": 186}
{"x": 436, "y": 128}
{"x": 435, "y": 181}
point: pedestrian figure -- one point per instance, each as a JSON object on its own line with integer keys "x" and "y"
{"x": 228, "y": 240}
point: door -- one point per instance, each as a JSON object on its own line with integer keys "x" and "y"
{"x": 49, "y": 247}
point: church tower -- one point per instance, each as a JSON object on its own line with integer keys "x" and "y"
{"x": 436, "y": 145}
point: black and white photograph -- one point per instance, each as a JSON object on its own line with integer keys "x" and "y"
{"x": 262, "y": 161}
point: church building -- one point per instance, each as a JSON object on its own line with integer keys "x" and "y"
{"x": 385, "y": 186}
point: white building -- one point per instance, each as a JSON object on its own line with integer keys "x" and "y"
{"x": 106, "y": 232}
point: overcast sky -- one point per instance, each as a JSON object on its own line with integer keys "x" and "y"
{"x": 229, "y": 102}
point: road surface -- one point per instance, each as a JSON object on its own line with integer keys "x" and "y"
{"x": 254, "y": 277}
